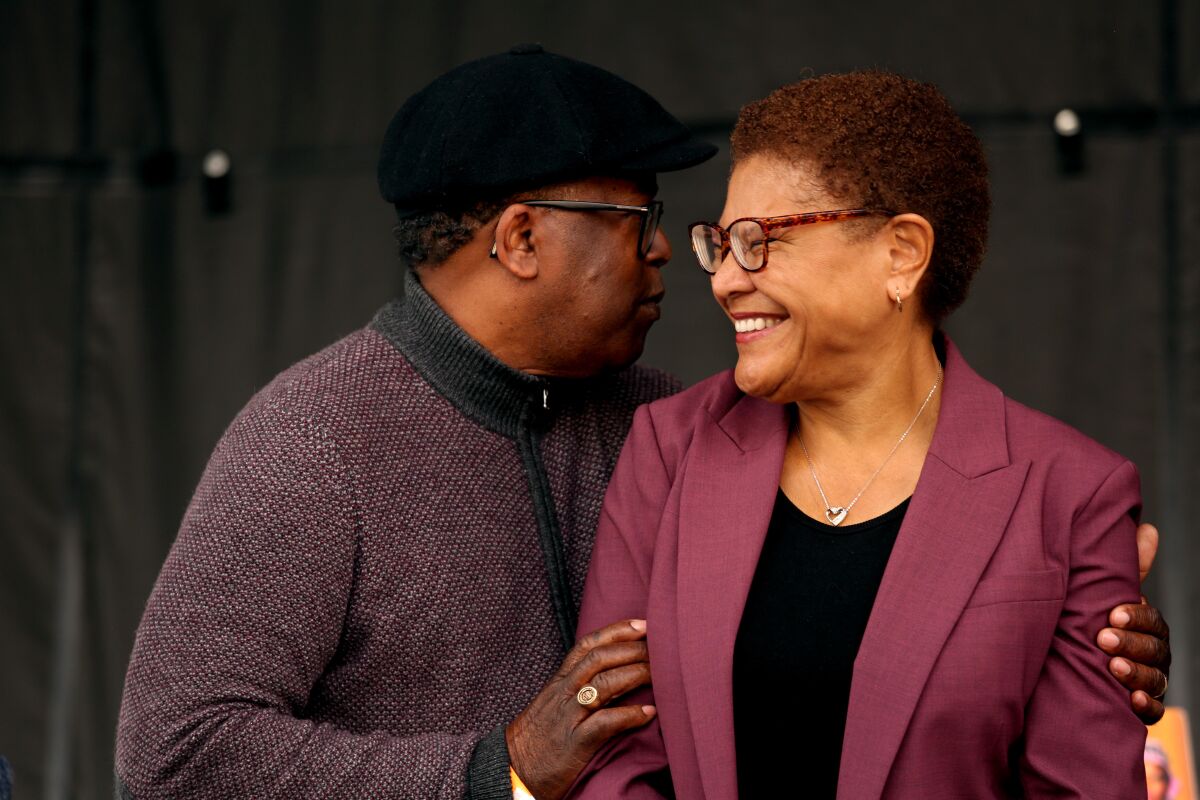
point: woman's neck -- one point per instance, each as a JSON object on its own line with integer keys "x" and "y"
{"x": 879, "y": 404}
{"x": 885, "y": 418}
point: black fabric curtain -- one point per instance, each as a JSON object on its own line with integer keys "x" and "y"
{"x": 145, "y": 303}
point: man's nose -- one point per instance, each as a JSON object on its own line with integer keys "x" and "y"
{"x": 660, "y": 250}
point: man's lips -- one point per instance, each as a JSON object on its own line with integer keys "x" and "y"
{"x": 655, "y": 298}
{"x": 650, "y": 305}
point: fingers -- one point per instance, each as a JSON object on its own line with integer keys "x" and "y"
{"x": 1139, "y": 678}
{"x": 1141, "y": 618}
{"x": 548, "y": 741}
{"x": 606, "y": 723}
{"x": 609, "y": 656}
{"x": 1137, "y": 647}
{"x": 613, "y": 683}
{"x": 1134, "y": 645}
{"x": 1147, "y": 547}
{"x": 1147, "y": 708}
{"x": 626, "y": 630}
{"x": 612, "y": 669}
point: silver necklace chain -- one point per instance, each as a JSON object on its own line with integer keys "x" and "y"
{"x": 835, "y": 514}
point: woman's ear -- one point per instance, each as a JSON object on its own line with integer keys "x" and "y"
{"x": 909, "y": 239}
{"x": 514, "y": 246}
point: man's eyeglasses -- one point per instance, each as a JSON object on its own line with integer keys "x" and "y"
{"x": 747, "y": 238}
{"x": 650, "y": 213}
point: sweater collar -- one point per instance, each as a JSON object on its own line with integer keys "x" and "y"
{"x": 460, "y": 369}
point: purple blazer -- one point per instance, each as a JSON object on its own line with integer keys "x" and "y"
{"x": 977, "y": 676}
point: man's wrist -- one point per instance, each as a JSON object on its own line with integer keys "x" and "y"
{"x": 519, "y": 790}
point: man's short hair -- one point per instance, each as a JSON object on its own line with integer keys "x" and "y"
{"x": 428, "y": 238}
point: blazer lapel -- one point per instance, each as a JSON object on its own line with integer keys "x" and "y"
{"x": 959, "y": 511}
{"x": 727, "y": 496}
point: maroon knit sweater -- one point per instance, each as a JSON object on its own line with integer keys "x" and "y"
{"x": 377, "y": 572}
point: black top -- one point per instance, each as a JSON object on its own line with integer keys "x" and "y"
{"x": 805, "y": 616}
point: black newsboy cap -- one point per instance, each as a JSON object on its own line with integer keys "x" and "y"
{"x": 522, "y": 119}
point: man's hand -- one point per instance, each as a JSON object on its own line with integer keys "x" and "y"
{"x": 553, "y": 739}
{"x": 1139, "y": 640}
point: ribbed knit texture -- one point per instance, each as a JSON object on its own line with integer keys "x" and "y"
{"x": 487, "y": 773}
{"x": 357, "y": 596}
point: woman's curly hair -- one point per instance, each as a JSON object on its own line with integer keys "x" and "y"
{"x": 879, "y": 140}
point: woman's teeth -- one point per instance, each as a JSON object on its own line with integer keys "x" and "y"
{"x": 754, "y": 324}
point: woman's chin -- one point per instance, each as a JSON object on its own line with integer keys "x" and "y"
{"x": 755, "y": 381}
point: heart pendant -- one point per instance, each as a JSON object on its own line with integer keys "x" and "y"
{"x": 835, "y": 515}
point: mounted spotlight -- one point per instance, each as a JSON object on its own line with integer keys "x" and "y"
{"x": 217, "y": 168}
{"x": 1069, "y": 134}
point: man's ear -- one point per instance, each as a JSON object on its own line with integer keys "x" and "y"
{"x": 514, "y": 247}
{"x": 909, "y": 239}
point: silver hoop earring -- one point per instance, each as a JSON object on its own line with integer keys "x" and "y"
{"x": 899, "y": 305}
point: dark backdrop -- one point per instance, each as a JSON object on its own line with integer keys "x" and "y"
{"x": 137, "y": 316}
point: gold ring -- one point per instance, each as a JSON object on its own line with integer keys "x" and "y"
{"x": 587, "y": 695}
{"x": 1163, "y": 693}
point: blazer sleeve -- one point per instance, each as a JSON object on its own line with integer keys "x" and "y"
{"x": 633, "y": 765}
{"x": 1082, "y": 739}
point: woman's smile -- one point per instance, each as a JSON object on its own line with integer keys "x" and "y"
{"x": 751, "y": 326}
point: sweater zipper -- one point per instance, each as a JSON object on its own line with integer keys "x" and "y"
{"x": 549, "y": 532}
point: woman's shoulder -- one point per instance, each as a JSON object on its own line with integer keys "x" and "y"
{"x": 713, "y": 392}
{"x": 1060, "y": 450}
{"x": 672, "y": 423}
{"x": 985, "y": 419}
{"x": 1031, "y": 428}
{"x": 703, "y": 403}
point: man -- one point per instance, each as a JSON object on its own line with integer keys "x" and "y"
{"x": 374, "y": 590}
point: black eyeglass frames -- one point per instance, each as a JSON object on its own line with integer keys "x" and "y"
{"x": 651, "y": 214}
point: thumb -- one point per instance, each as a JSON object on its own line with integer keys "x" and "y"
{"x": 1147, "y": 548}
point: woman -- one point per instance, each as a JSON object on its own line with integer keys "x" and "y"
{"x": 865, "y": 572}
{"x": 1160, "y": 783}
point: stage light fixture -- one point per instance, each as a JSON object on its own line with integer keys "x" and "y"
{"x": 1068, "y": 129}
{"x": 217, "y": 168}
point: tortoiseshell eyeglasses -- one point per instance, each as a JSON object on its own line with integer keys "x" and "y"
{"x": 747, "y": 238}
